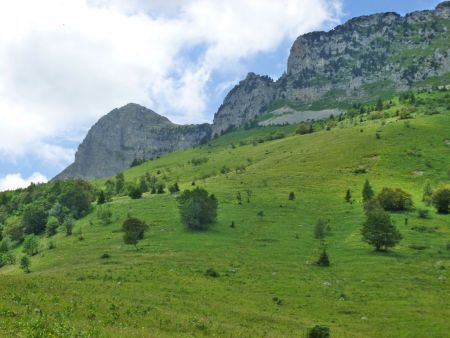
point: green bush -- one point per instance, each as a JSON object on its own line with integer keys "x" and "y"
{"x": 319, "y": 331}
{"x": 135, "y": 193}
{"x": 324, "y": 260}
{"x": 395, "y": 199}
{"x": 134, "y": 230}
{"x": 441, "y": 200}
{"x": 198, "y": 210}
{"x": 34, "y": 219}
{"x": 31, "y": 245}
{"x": 52, "y": 226}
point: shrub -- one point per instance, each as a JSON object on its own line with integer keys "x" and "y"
{"x": 320, "y": 229}
{"x": 31, "y": 245}
{"x": 69, "y": 223}
{"x": 134, "y": 230}
{"x": 135, "y": 193}
{"x": 104, "y": 214}
{"x": 427, "y": 193}
{"x": 51, "y": 245}
{"x": 14, "y": 231}
{"x": 105, "y": 256}
{"x": 291, "y": 196}
{"x": 198, "y": 210}
{"x": 212, "y": 273}
{"x": 423, "y": 213}
{"x": 323, "y": 259}
{"x": 7, "y": 258}
{"x": 441, "y": 200}
{"x": 77, "y": 197}
{"x": 319, "y": 331}
{"x": 52, "y": 226}
{"x": 174, "y": 188}
{"x": 160, "y": 187}
{"x": 395, "y": 200}
{"x": 25, "y": 264}
{"x": 199, "y": 161}
{"x": 305, "y": 128}
{"x": 348, "y": 196}
{"x": 101, "y": 198}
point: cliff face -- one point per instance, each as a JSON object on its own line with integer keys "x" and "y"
{"x": 362, "y": 59}
{"x": 129, "y": 133}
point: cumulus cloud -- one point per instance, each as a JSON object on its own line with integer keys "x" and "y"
{"x": 15, "y": 181}
{"x": 65, "y": 63}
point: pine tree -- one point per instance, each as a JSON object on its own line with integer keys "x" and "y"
{"x": 101, "y": 198}
{"x": 348, "y": 196}
{"x": 323, "y": 259}
{"x": 367, "y": 192}
{"x": 291, "y": 196}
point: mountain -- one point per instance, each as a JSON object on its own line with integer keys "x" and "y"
{"x": 366, "y": 58}
{"x": 127, "y": 134}
{"x": 361, "y": 60}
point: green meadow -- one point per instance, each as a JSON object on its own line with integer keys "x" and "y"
{"x": 268, "y": 284}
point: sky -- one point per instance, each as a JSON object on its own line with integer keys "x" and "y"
{"x": 66, "y": 63}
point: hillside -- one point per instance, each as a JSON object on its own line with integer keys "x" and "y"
{"x": 268, "y": 284}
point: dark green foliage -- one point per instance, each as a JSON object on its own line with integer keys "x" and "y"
{"x": 160, "y": 187}
{"x": 320, "y": 229}
{"x": 51, "y": 245}
{"x": 120, "y": 183}
{"x": 379, "y": 105}
{"x": 305, "y": 128}
{"x": 395, "y": 199}
{"x": 135, "y": 193}
{"x": 441, "y": 200}
{"x": 291, "y": 196}
{"x": 14, "y": 232}
{"x": 34, "y": 219}
{"x": 199, "y": 161}
{"x": 323, "y": 259}
{"x": 25, "y": 264}
{"x": 68, "y": 224}
{"x": 319, "y": 331}
{"x": 232, "y": 225}
{"x": 31, "y": 245}
{"x": 134, "y": 230}
{"x": 136, "y": 162}
{"x": 110, "y": 189}
{"x": 174, "y": 188}
{"x": 348, "y": 196}
{"x": 143, "y": 185}
{"x": 212, "y": 273}
{"x": 7, "y": 258}
{"x": 77, "y": 197}
{"x": 104, "y": 214}
{"x": 427, "y": 193}
{"x": 379, "y": 231}
{"x": 367, "y": 193}
{"x": 101, "y": 198}
{"x": 239, "y": 197}
{"x": 52, "y": 226}
{"x": 198, "y": 210}
{"x": 105, "y": 256}
{"x": 423, "y": 213}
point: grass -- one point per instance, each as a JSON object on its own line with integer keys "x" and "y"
{"x": 267, "y": 283}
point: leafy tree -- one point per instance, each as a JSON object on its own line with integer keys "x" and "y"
{"x": 441, "y": 200}
{"x": 198, "y": 209}
{"x": 324, "y": 260}
{"x": 291, "y": 196}
{"x": 69, "y": 224}
{"x": 77, "y": 196}
{"x": 59, "y": 212}
{"x": 367, "y": 192}
{"x": 110, "y": 189}
{"x": 305, "y": 128}
{"x": 31, "y": 245}
{"x": 320, "y": 229}
{"x": 348, "y": 196}
{"x": 395, "y": 199}
{"x": 101, "y": 198}
{"x": 135, "y": 193}
{"x": 14, "y": 231}
{"x": 427, "y": 193}
{"x": 52, "y": 226}
{"x": 25, "y": 264}
{"x": 120, "y": 183}
{"x": 379, "y": 231}
{"x": 143, "y": 185}
{"x": 134, "y": 230}
{"x": 34, "y": 219}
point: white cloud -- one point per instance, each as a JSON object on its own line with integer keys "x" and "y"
{"x": 15, "y": 181}
{"x": 65, "y": 63}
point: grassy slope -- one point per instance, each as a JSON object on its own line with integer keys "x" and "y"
{"x": 161, "y": 290}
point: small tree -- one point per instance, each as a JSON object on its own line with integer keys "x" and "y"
{"x": 198, "y": 209}
{"x": 101, "y": 198}
{"x": 135, "y": 193}
{"x": 323, "y": 259}
{"x": 174, "y": 188}
{"x": 120, "y": 183}
{"x": 395, "y": 199}
{"x": 367, "y": 192}
{"x": 291, "y": 196}
{"x": 379, "y": 231}
{"x": 320, "y": 229}
{"x": 104, "y": 214}
{"x": 31, "y": 245}
{"x": 239, "y": 197}
{"x": 441, "y": 200}
{"x": 427, "y": 193}
{"x": 69, "y": 223}
{"x": 379, "y": 105}
{"x": 160, "y": 187}
{"x": 134, "y": 230}
{"x": 52, "y": 226}
{"x": 34, "y": 219}
{"x": 25, "y": 264}
{"x": 348, "y": 196}
{"x": 143, "y": 185}
{"x": 319, "y": 331}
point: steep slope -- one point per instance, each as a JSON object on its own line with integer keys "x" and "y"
{"x": 126, "y": 134}
{"x": 361, "y": 60}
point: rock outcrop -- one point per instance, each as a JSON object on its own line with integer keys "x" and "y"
{"x": 126, "y": 134}
{"x": 365, "y": 58}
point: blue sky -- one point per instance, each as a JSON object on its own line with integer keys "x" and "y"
{"x": 61, "y": 72}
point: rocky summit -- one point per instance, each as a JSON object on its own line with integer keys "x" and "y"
{"x": 366, "y": 58}
{"x": 128, "y": 134}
